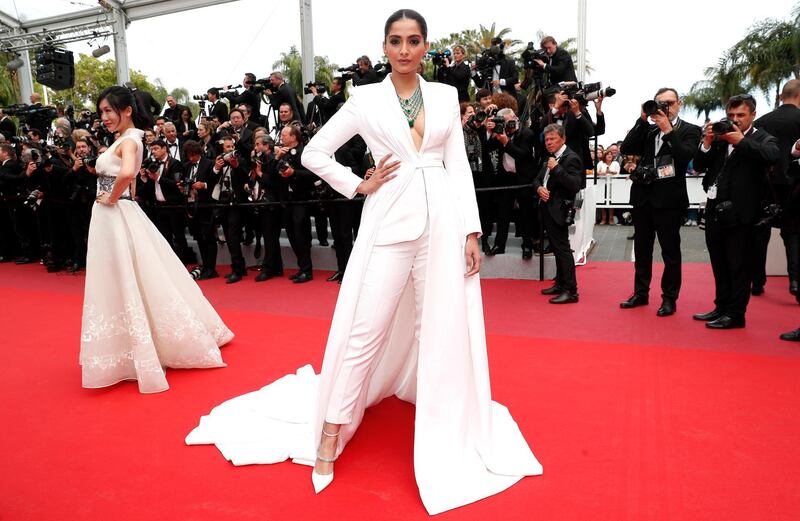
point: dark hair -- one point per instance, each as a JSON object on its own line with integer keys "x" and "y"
{"x": 409, "y": 14}
{"x": 9, "y": 149}
{"x": 739, "y": 99}
{"x": 120, "y": 98}
{"x": 159, "y": 143}
{"x": 662, "y": 90}
{"x": 548, "y": 39}
{"x": 214, "y": 91}
{"x": 482, "y": 93}
{"x": 36, "y": 132}
{"x": 294, "y": 130}
{"x": 250, "y": 77}
{"x": 192, "y": 147}
{"x": 236, "y": 110}
{"x": 558, "y": 129}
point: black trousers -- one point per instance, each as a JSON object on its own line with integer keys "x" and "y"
{"x": 559, "y": 241}
{"x": 664, "y": 223}
{"x": 202, "y": 227}
{"x": 342, "y": 217}
{"x": 730, "y": 250}
{"x": 79, "y": 217}
{"x": 24, "y": 223}
{"x": 171, "y": 222}
{"x": 485, "y": 205}
{"x": 320, "y": 214}
{"x": 527, "y": 214}
{"x": 233, "y": 220}
{"x": 8, "y": 240}
{"x": 297, "y": 220}
{"x": 791, "y": 242}
{"x": 270, "y": 222}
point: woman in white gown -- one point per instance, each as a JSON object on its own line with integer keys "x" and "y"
{"x": 142, "y": 310}
{"x": 409, "y": 319}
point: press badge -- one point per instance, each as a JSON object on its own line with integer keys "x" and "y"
{"x": 665, "y": 167}
{"x": 712, "y": 192}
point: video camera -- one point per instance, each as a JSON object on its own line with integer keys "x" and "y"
{"x": 437, "y": 57}
{"x": 584, "y": 92}
{"x": 489, "y": 58}
{"x": 24, "y": 112}
{"x": 321, "y": 86}
{"x": 530, "y": 54}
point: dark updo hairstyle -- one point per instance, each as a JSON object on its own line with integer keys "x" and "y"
{"x": 409, "y": 14}
{"x": 120, "y": 98}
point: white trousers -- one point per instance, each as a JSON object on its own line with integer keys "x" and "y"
{"x": 385, "y": 278}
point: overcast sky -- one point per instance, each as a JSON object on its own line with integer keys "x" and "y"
{"x": 634, "y": 46}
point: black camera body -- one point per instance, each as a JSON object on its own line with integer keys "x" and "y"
{"x": 321, "y": 86}
{"x": 25, "y": 112}
{"x": 644, "y": 174}
{"x": 151, "y": 165}
{"x": 722, "y": 126}
{"x": 488, "y": 59}
{"x": 282, "y": 165}
{"x": 90, "y": 161}
{"x": 31, "y": 200}
{"x": 499, "y": 125}
{"x": 651, "y": 107}
{"x": 530, "y": 54}
{"x": 437, "y": 57}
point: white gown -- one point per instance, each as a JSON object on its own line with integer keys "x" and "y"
{"x": 142, "y": 310}
{"x": 466, "y": 446}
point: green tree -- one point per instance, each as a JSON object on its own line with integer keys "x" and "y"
{"x": 290, "y": 64}
{"x": 9, "y": 91}
{"x": 703, "y": 97}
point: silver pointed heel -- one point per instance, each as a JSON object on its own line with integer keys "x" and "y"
{"x": 320, "y": 481}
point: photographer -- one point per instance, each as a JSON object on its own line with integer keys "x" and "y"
{"x": 7, "y": 126}
{"x": 47, "y": 199}
{"x": 39, "y": 118}
{"x": 515, "y": 166}
{"x": 556, "y": 185}
{"x": 784, "y": 124}
{"x": 236, "y": 130}
{"x": 496, "y": 71}
{"x": 173, "y": 110}
{"x": 480, "y": 164}
{"x": 216, "y": 108}
{"x": 281, "y": 92}
{"x": 232, "y": 175}
{"x": 559, "y": 68}
{"x": 197, "y": 183}
{"x": 658, "y": 194}
{"x": 161, "y": 187}
{"x": 171, "y": 140}
{"x": 81, "y": 185}
{"x": 263, "y": 187}
{"x": 736, "y": 157}
{"x": 365, "y": 74}
{"x": 578, "y": 126}
{"x": 205, "y": 136}
{"x": 251, "y": 95}
{"x": 296, "y": 183}
{"x": 185, "y": 127}
{"x": 328, "y": 106}
{"x": 456, "y": 73}
{"x": 14, "y": 188}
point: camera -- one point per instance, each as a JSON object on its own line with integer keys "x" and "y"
{"x": 348, "y": 72}
{"x": 489, "y": 58}
{"x": 226, "y": 157}
{"x": 499, "y": 125}
{"x": 437, "y": 57}
{"x": 322, "y": 87}
{"x": 644, "y": 174}
{"x": 651, "y": 107}
{"x": 770, "y": 214}
{"x": 283, "y": 165}
{"x": 31, "y": 201}
{"x": 151, "y": 165}
{"x": 91, "y": 161}
{"x": 585, "y": 92}
{"x": 200, "y": 97}
{"x": 530, "y": 54}
{"x": 24, "y": 112}
{"x": 722, "y": 126}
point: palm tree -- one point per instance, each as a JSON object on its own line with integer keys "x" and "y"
{"x": 704, "y": 98}
{"x": 291, "y": 65}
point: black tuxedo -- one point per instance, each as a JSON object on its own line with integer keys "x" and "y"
{"x": 738, "y": 180}
{"x": 327, "y": 106}
{"x": 578, "y": 131}
{"x": 183, "y": 127}
{"x": 508, "y": 72}
{"x": 81, "y": 185}
{"x": 171, "y": 222}
{"x": 218, "y": 109}
{"x": 286, "y": 94}
{"x": 247, "y": 97}
{"x": 343, "y": 215}
{"x": 659, "y": 208}
{"x": 563, "y": 183}
{"x": 365, "y": 78}
{"x": 297, "y": 218}
{"x": 458, "y": 75}
{"x": 14, "y": 226}
{"x": 232, "y": 183}
{"x": 201, "y": 221}
{"x": 520, "y": 149}
{"x": 561, "y": 67}
{"x": 270, "y": 218}
{"x": 784, "y": 124}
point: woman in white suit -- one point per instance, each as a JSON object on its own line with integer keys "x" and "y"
{"x": 409, "y": 318}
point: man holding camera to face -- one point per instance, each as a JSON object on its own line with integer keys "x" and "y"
{"x": 735, "y": 156}
{"x": 328, "y": 106}
{"x": 249, "y": 96}
{"x": 231, "y": 176}
{"x": 197, "y": 183}
{"x": 658, "y": 194}
{"x": 559, "y": 67}
{"x": 456, "y": 73}
{"x": 556, "y": 185}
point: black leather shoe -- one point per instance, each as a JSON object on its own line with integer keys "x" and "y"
{"x": 485, "y": 246}
{"x": 634, "y": 301}
{"x": 552, "y": 290}
{"x": 264, "y": 275}
{"x": 793, "y": 287}
{"x": 336, "y": 277}
{"x": 726, "y": 322}
{"x": 667, "y": 308}
{"x": 292, "y": 277}
{"x": 74, "y": 268}
{"x": 257, "y": 251}
{"x": 206, "y": 275}
{"x": 792, "y": 336}
{"x": 757, "y": 291}
{"x": 495, "y": 251}
{"x": 631, "y": 236}
{"x": 4, "y": 259}
{"x": 302, "y": 277}
{"x": 527, "y": 253}
{"x": 565, "y": 298}
{"x": 23, "y": 260}
{"x": 233, "y": 278}
{"x": 708, "y": 317}
{"x": 323, "y": 243}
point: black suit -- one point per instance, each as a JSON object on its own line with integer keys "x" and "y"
{"x": 784, "y": 124}
{"x": 232, "y": 182}
{"x": 13, "y": 234}
{"x": 270, "y": 218}
{"x": 297, "y": 218}
{"x": 737, "y": 179}
{"x": 326, "y": 107}
{"x": 563, "y": 182}
{"x": 174, "y": 114}
{"x": 508, "y": 72}
{"x": 343, "y": 215}
{"x": 171, "y": 222}
{"x": 520, "y": 149}
{"x": 458, "y": 76}
{"x": 286, "y": 94}
{"x": 147, "y": 104}
{"x": 81, "y": 187}
{"x": 659, "y": 208}
{"x": 578, "y": 131}
{"x": 218, "y": 109}
{"x": 201, "y": 220}
{"x": 365, "y": 78}
{"x": 560, "y": 67}
{"x": 7, "y": 127}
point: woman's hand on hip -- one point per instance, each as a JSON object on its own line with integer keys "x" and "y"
{"x": 382, "y": 174}
{"x": 473, "y": 254}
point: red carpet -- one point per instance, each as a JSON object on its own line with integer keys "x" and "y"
{"x": 633, "y": 417}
